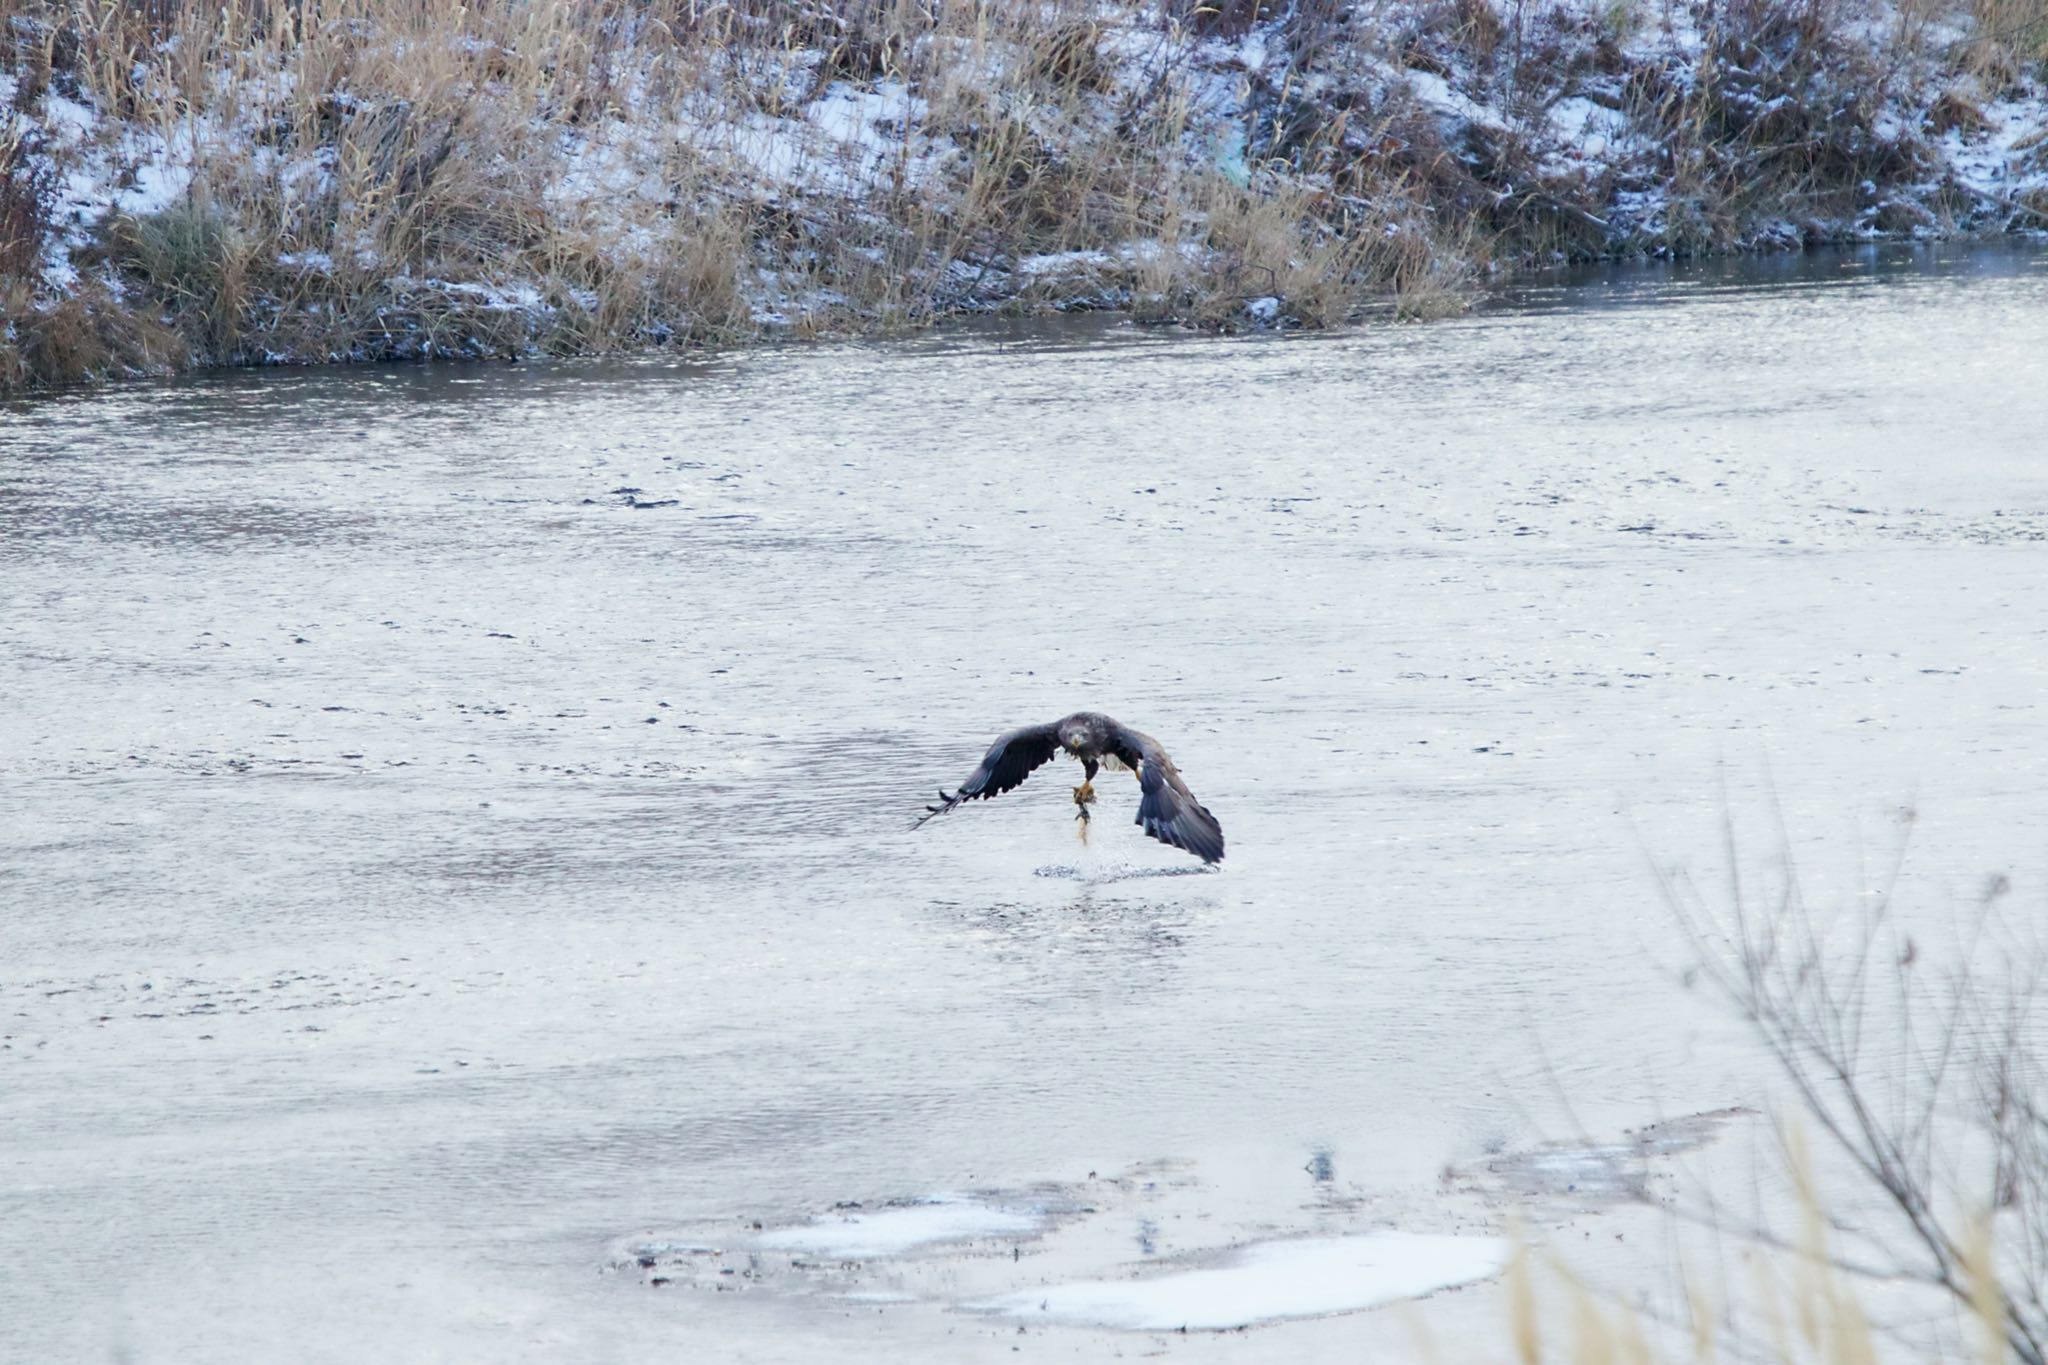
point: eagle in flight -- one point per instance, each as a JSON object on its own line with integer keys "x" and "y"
{"x": 1166, "y": 808}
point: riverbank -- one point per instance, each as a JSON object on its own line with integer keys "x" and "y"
{"x": 254, "y": 184}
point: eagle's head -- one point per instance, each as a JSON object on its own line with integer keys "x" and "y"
{"x": 1078, "y": 737}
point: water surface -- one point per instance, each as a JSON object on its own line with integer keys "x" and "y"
{"x": 457, "y": 818}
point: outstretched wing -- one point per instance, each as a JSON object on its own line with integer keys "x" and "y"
{"x": 1007, "y": 763}
{"x": 1166, "y": 808}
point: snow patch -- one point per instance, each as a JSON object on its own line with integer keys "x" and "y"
{"x": 845, "y": 142}
{"x": 137, "y": 171}
{"x": 1991, "y": 161}
{"x": 1437, "y": 94}
{"x": 1591, "y": 129}
{"x": 1268, "y": 1282}
{"x": 1062, "y": 263}
{"x": 517, "y": 296}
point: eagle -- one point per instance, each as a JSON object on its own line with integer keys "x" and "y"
{"x": 1166, "y": 808}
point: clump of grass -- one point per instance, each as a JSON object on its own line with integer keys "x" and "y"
{"x": 2006, "y": 37}
{"x": 83, "y": 335}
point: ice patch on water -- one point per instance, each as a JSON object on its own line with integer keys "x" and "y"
{"x": 1587, "y": 1173}
{"x": 896, "y": 1230}
{"x": 1268, "y": 1282}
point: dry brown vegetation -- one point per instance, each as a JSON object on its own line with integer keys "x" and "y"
{"x": 1910, "y": 1220}
{"x": 1913, "y": 1053}
{"x": 428, "y": 178}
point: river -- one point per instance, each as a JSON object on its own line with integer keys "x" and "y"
{"x": 457, "y": 819}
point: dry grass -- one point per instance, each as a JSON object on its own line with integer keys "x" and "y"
{"x": 2006, "y": 36}
{"x": 426, "y": 177}
{"x": 433, "y": 178}
{"x": 1910, "y": 1053}
{"x": 1799, "y": 1307}
{"x": 25, "y": 199}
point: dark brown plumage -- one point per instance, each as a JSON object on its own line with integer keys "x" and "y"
{"x": 1166, "y": 808}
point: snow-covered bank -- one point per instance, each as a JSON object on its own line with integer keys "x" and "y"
{"x": 205, "y": 184}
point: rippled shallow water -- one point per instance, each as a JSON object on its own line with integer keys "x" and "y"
{"x": 456, "y": 820}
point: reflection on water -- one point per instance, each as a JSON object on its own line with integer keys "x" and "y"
{"x": 427, "y": 863}
{"x": 1610, "y": 283}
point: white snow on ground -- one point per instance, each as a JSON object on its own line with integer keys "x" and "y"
{"x": 1991, "y": 161}
{"x": 512, "y": 297}
{"x": 605, "y": 166}
{"x": 896, "y": 1230}
{"x": 1675, "y": 33}
{"x": 134, "y": 171}
{"x": 1062, "y": 263}
{"x": 1267, "y": 1282}
{"x": 1435, "y": 93}
{"x": 843, "y": 142}
{"x": 1066, "y": 264}
{"x": 1587, "y": 129}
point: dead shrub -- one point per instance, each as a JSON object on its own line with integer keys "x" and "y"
{"x": 1942, "y": 1135}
